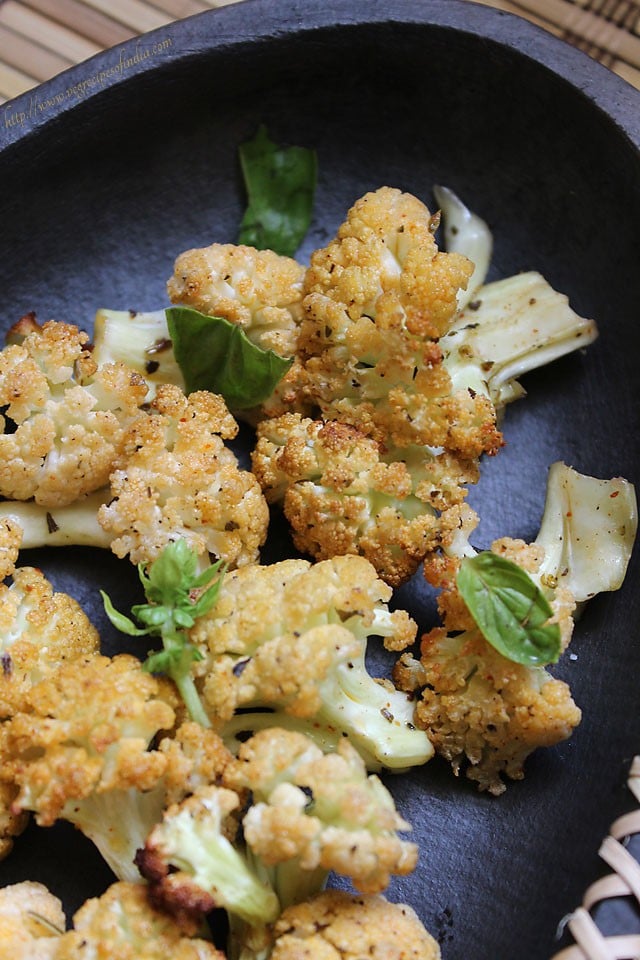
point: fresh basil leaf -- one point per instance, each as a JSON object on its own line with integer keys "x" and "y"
{"x": 510, "y": 610}
{"x": 214, "y": 354}
{"x": 280, "y": 184}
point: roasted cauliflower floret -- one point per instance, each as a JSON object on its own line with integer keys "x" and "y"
{"x": 176, "y": 479}
{"x": 69, "y": 416}
{"x": 12, "y": 823}
{"x": 377, "y": 299}
{"x": 123, "y": 924}
{"x": 315, "y": 811}
{"x": 259, "y": 290}
{"x": 79, "y": 750}
{"x": 345, "y": 493}
{"x": 10, "y": 541}
{"x": 31, "y": 921}
{"x": 292, "y": 637}
{"x": 194, "y": 862}
{"x": 39, "y": 630}
{"x": 483, "y": 712}
{"x": 336, "y": 925}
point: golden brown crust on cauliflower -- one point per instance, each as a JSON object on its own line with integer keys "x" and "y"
{"x": 377, "y": 300}
{"x": 69, "y": 415}
{"x": 10, "y": 540}
{"x": 320, "y": 809}
{"x": 29, "y": 917}
{"x": 176, "y": 478}
{"x": 336, "y": 925}
{"x": 483, "y": 712}
{"x": 259, "y": 290}
{"x": 39, "y": 629}
{"x": 123, "y": 924}
{"x": 277, "y": 630}
{"x": 12, "y": 824}
{"x": 85, "y": 729}
{"x": 344, "y": 493}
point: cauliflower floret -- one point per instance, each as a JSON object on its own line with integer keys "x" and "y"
{"x": 259, "y": 290}
{"x": 483, "y": 712}
{"x": 194, "y": 862}
{"x": 123, "y": 924}
{"x": 292, "y": 637}
{"x": 176, "y": 479}
{"x": 376, "y": 301}
{"x": 318, "y": 812}
{"x": 10, "y": 540}
{"x": 69, "y": 416}
{"x": 336, "y": 925}
{"x": 31, "y": 921}
{"x": 80, "y": 750}
{"x": 39, "y": 630}
{"x": 344, "y": 492}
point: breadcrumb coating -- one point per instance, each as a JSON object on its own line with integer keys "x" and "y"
{"x": 69, "y": 416}
{"x": 336, "y": 925}
{"x": 259, "y": 290}
{"x": 321, "y": 810}
{"x": 175, "y": 478}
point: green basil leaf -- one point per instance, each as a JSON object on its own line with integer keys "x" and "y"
{"x": 510, "y": 610}
{"x": 214, "y": 354}
{"x": 280, "y": 184}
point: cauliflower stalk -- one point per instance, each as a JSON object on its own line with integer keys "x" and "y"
{"x": 291, "y": 637}
{"x": 303, "y": 813}
{"x": 486, "y": 702}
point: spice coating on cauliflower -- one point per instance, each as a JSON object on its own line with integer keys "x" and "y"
{"x": 376, "y": 301}
{"x": 31, "y": 919}
{"x": 259, "y": 290}
{"x": 292, "y": 637}
{"x": 343, "y": 492}
{"x": 85, "y": 729}
{"x": 177, "y": 479}
{"x": 319, "y": 811}
{"x": 483, "y": 712}
{"x": 69, "y": 416}
{"x": 39, "y": 630}
{"x": 123, "y": 923}
{"x": 336, "y": 925}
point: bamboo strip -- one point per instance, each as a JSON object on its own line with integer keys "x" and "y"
{"x": 82, "y": 19}
{"x": 49, "y": 35}
{"x": 23, "y": 54}
{"x": 135, "y": 14}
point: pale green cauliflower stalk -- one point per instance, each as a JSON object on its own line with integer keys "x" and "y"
{"x": 483, "y": 712}
{"x": 292, "y": 637}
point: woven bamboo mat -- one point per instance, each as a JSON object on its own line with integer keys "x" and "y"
{"x": 40, "y": 38}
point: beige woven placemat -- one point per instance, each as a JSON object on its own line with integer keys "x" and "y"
{"x": 40, "y": 38}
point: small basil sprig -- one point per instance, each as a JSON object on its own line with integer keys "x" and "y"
{"x": 510, "y": 610}
{"x": 177, "y": 596}
{"x": 280, "y": 184}
{"x": 214, "y": 354}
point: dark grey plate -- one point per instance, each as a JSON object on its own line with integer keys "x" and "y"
{"x": 110, "y": 170}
